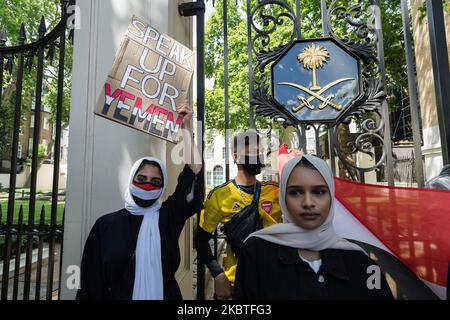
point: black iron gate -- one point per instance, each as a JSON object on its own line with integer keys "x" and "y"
{"x": 30, "y": 243}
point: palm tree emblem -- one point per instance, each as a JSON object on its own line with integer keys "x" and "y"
{"x": 314, "y": 57}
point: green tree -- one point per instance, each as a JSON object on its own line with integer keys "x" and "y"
{"x": 12, "y": 14}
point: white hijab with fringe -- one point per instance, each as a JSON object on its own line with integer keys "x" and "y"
{"x": 291, "y": 235}
{"x": 148, "y": 279}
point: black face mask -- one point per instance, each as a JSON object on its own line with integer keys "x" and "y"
{"x": 251, "y": 164}
{"x": 144, "y": 203}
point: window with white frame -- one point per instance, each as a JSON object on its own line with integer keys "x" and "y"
{"x": 32, "y": 121}
{"x": 30, "y": 146}
{"x": 19, "y": 151}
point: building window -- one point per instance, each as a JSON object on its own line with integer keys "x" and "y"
{"x": 46, "y": 123}
{"x": 210, "y": 153}
{"x": 224, "y": 152}
{"x": 208, "y": 178}
{"x": 32, "y": 121}
{"x": 21, "y": 130}
{"x": 19, "y": 151}
{"x": 30, "y": 146}
{"x": 217, "y": 176}
{"x": 311, "y": 144}
{"x": 45, "y": 145}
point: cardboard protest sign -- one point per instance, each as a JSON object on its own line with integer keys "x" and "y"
{"x": 150, "y": 76}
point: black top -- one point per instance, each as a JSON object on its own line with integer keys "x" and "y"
{"x": 270, "y": 271}
{"x": 247, "y": 189}
{"x": 108, "y": 264}
{"x": 442, "y": 181}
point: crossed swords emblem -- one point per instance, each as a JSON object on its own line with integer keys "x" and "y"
{"x": 314, "y": 57}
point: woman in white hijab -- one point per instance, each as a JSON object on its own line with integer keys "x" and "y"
{"x": 134, "y": 253}
{"x": 303, "y": 258}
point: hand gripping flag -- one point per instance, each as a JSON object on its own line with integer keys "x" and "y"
{"x": 404, "y": 227}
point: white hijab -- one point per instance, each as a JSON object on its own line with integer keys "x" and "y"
{"x": 289, "y": 234}
{"x": 148, "y": 279}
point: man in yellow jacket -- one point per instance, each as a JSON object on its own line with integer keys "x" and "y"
{"x": 228, "y": 199}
